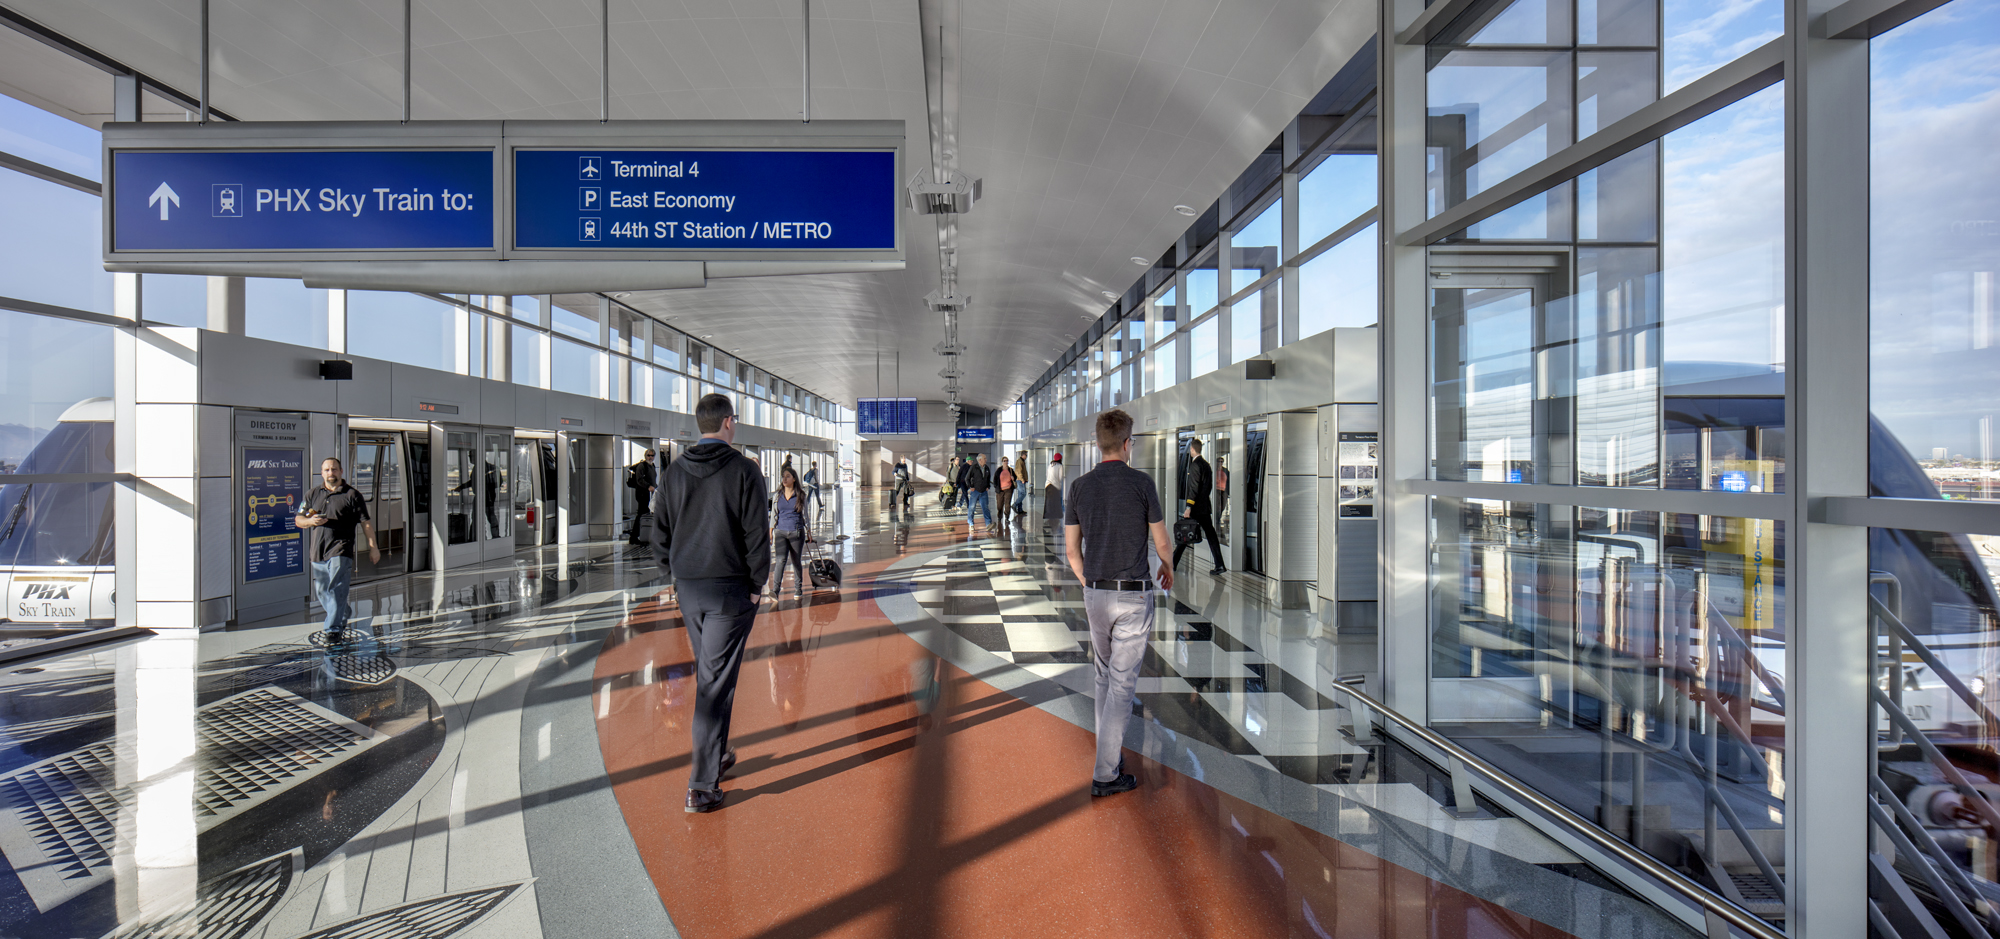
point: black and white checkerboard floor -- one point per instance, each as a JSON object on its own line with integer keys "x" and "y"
{"x": 1014, "y": 599}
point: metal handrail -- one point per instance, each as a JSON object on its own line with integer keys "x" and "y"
{"x": 1686, "y": 886}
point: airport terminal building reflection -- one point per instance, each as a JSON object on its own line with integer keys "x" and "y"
{"x": 1596, "y": 401}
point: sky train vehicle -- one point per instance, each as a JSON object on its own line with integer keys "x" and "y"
{"x": 55, "y": 538}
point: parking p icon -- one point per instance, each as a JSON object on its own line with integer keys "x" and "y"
{"x": 589, "y": 199}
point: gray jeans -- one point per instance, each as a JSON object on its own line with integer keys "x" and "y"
{"x": 1121, "y": 623}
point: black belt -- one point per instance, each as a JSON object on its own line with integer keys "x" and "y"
{"x": 1120, "y": 585}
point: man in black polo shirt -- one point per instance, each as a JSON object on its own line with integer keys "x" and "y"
{"x": 1112, "y": 510}
{"x": 328, "y": 517}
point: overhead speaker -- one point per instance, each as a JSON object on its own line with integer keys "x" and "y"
{"x": 336, "y": 370}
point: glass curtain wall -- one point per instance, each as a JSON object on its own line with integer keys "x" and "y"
{"x": 1191, "y": 324}
{"x": 1620, "y": 329}
{"x": 1934, "y": 611}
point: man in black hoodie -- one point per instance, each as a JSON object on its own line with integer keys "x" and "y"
{"x": 709, "y": 535}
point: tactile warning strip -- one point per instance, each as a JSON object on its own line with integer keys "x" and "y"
{"x": 60, "y": 822}
{"x": 263, "y": 742}
{"x": 229, "y": 907}
{"x": 433, "y": 918}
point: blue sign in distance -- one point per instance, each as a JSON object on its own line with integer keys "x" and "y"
{"x": 301, "y": 200}
{"x": 661, "y": 200}
{"x": 975, "y": 433}
{"x": 1735, "y": 481}
{"x": 273, "y": 485}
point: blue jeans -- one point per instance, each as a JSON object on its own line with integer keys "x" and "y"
{"x": 330, "y": 588}
{"x": 977, "y": 502}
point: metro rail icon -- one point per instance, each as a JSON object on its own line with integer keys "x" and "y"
{"x": 228, "y": 200}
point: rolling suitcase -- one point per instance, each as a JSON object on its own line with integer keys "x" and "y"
{"x": 822, "y": 568}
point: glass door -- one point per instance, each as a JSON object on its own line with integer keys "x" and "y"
{"x": 1253, "y": 497}
{"x": 496, "y": 495}
{"x": 462, "y": 481}
{"x": 522, "y": 489}
{"x": 375, "y": 469}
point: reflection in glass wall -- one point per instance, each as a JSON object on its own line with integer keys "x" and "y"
{"x": 1934, "y": 614}
{"x": 1649, "y": 355}
{"x": 1483, "y": 339}
{"x": 1934, "y": 219}
{"x": 1722, "y": 217}
{"x": 1629, "y": 665}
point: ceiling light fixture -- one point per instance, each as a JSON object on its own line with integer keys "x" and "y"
{"x": 1141, "y": 261}
{"x": 1184, "y": 210}
{"x": 1108, "y": 295}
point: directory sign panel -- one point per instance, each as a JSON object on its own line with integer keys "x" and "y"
{"x": 875, "y": 417}
{"x": 705, "y": 200}
{"x": 975, "y": 433}
{"x": 273, "y": 485}
{"x": 247, "y": 201}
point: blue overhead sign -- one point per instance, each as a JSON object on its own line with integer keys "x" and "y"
{"x": 874, "y": 417}
{"x": 975, "y": 433}
{"x": 301, "y": 200}
{"x": 701, "y": 200}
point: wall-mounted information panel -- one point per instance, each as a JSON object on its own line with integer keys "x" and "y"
{"x": 276, "y": 198}
{"x": 874, "y": 417}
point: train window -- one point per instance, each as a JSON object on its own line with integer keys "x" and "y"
{"x": 60, "y": 524}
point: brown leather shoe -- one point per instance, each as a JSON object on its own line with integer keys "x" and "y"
{"x": 704, "y": 800}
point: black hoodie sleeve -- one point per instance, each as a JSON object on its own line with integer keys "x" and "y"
{"x": 756, "y": 508}
{"x": 661, "y": 538}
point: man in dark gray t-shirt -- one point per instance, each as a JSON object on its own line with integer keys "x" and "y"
{"x": 1114, "y": 511}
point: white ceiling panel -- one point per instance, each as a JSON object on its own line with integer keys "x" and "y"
{"x": 1088, "y": 119}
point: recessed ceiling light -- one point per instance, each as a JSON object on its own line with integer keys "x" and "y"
{"x": 1108, "y": 295}
{"x": 1140, "y": 261}
{"x": 1184, "y": 210}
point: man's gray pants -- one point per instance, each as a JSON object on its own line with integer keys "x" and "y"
{"x": 1121, "y": 624}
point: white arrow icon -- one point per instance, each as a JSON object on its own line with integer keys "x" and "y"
{"x": 162, "y": 196}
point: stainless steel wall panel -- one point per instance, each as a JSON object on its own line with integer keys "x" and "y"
{"x": 1355, "y": 575}
{"x": 1298, "y": 528}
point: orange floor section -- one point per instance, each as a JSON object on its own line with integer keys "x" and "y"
{"x": 884, "y": 793}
